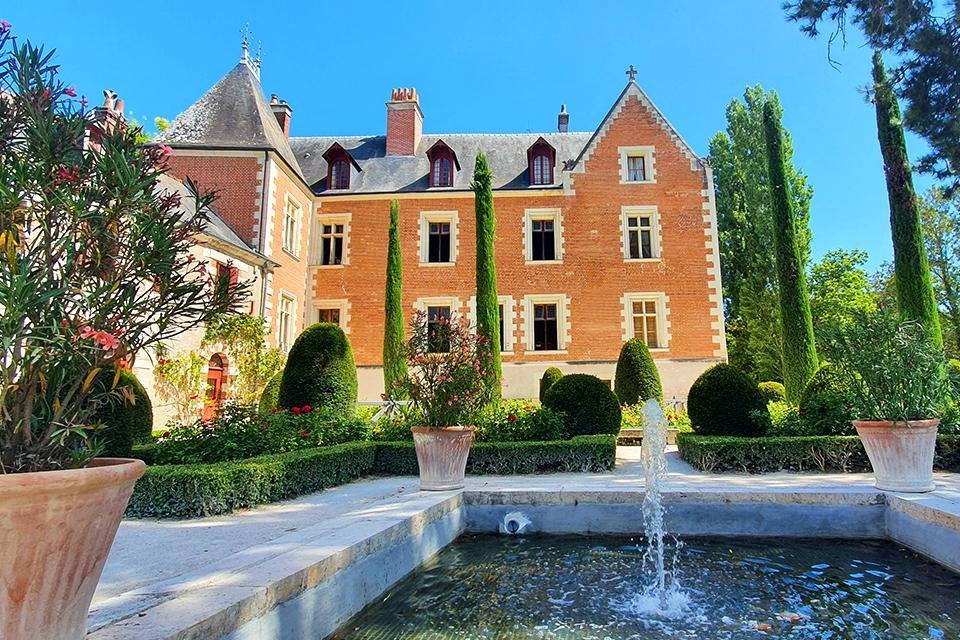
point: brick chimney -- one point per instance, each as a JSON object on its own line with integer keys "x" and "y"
{"x": 404, "y": 122}
{"x": 282, "y": 112}
{"x": 563, "y": 120}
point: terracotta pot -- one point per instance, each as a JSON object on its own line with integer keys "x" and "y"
{"x": 56, "y": 528}
{"x": 442, "y": 456}
{"x": 901, "y": 453}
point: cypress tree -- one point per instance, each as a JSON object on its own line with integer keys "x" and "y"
{"x": 915, "y": 297}
{"x": 394, "y": 360}
{"x": 799, "y": 350}
{"x": 488, "y": 306}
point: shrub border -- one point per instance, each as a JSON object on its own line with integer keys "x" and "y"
{"x": 715, "y": 454}
{"x": 196, "y": 490}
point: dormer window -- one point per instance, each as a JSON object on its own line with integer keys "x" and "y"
{"x": 443, "y": 163}
{"x": 339, "y": 162}
{"x": 541, "y": 157}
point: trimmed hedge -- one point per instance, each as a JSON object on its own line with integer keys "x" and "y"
{"x": 188, "y": 491}
{"x": 270, "y": 395}
{"x": 826, "y": 404}
{"x": 127, "y": 423}
{"x": 772, "y": 391}
{"x": 589, "y": 406}
{"x": 716, "y": 454}
{"x": 550, "y": 377}
{"x": 637, "y": 378}
{"x": 320, "y": 371}
{"x": 722, "y": 402}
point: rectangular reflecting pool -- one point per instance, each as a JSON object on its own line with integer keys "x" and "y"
{"x": 495, "y": 587}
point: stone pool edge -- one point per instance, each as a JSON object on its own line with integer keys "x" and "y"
{"x": 309, "y": 583}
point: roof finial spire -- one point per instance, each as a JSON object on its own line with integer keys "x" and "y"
{"x": 245, "y": 42}
{"x": 632, "y": 73}
{"x": 256, "y": 61}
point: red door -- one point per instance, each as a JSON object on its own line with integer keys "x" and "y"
{"x": 216, "y": 375}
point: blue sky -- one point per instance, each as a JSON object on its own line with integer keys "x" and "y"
{"x": 499, "y": 67}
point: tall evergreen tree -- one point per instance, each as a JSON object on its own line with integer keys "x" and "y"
{"x": 940, "y": 219}
{"x": 745, "y": 223}
{"x": 799, "y": 350}
{"x": 394, "y": 360}
{"x": 488, "y": 306}
{"x": 915, "y": 297}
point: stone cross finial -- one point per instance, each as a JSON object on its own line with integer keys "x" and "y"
{"x": 632, "y": 73}
{"x": 245, "y": 42}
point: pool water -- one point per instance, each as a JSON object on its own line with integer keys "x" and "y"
{"x": 487, "y": 587}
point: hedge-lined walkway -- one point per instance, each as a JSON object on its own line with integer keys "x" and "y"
{"x": 148, "y": 552}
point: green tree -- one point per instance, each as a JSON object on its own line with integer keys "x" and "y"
{"x": 840, "y": 289}
{"x": 925, "y": 37}
{"x": 799, "y": 350}
{"x": 394, "y": 359}
{"x": 488, "y": 306}
{"x": 915, "y": 298}
{"x": 253, "y": 363}
{"x": 745, "y": 223}
{"x": 940, "y": 221}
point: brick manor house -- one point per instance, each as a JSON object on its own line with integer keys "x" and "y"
{"x": 601, "y": 236}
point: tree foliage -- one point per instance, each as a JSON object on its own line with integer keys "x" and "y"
{"x": 799, "y": 349}
{"x": 488, "y": 305}
{"x": 915, "y": 298}
{"x": 840, "y": 289}
{"x": 746, "y": 232}
{"x": 636, "y": 379}
{"x": 940, "y": 221}
{"x": 252, "y": 363}
{"x": 394, "y": 359}
{"x": 925, "y": 35}
{"x": 320, "y": 372}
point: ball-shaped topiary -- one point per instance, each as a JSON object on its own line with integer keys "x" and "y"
{"x": 722, "y": 401}
{"x": 549, "y": 378}
{"x": 637, "y": 378}
{"x": 320, "y": 372}
{"x": 127, "y": 417}
{"x": 270, "y": 394}
{"x": 826, "y": 405}
{"x": 773, "y": 391}
{"x": 588, "y": 404}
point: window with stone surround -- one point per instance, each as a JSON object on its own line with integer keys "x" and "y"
{"x": 546, "y": 322}
{"x": 286, "y": 321}
{"x": 333, "y": 311}
{"x": 292, "y": 214}
{"x": 443, "y": 164}
{"x": 641, "y": 233}
{"x": 645, "y": 316}
{"x": 543, "y": 235}
{"x": 333, "y": 240}
{"x": 636, "y": 165}
{"x": 339, "y": 174}
{"x": 438, "y": 237}
{"x": 541, "y": 157}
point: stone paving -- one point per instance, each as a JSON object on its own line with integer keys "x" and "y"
{"x": 154, "y": 561}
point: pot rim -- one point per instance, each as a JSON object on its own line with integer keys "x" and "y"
{"x": 454, "y": 429}
{"x": 898, "y": 424}
{"x": 101, "y": 472}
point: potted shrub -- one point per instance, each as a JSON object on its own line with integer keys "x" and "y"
{"x": 897, "y": 381}
{"x": 446, "y": 385}
{"x": 95, "y": 266}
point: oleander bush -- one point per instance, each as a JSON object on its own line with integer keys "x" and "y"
{"x": 773, "y": 391}
{"x": 549, "y": 378}
{"x": 127, "y": 414}
{"x": 723, "y": 401}
{"x": 826, "y": 405}
{"x": 718, "y": 454}
{"x": 588, "y": 405}
{"x": 186, "y": 491}
{"x": 636, "y": 379}
{"x": 519, "y": 421}
{"x": 320, "y": 371}
{"x": 270, "y": 395}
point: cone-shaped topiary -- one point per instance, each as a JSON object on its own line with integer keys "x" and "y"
{"x": 772, "y": 391}
{"x": 394, "y": 359}
{"x": 915, "y": 296}
{"x": 488, "y": 305}
{"x": 799, "y": 350}
{"x": 270, "y": 394}
{"x": 826, "y": 406}
{"x": 320, "y": 371}
{"x": 721, "y": 401}
{"x": 128, "y": 418}
{"x": 549, "y": 378}
{"x": 589, "y": 406}
{"x": 637, "y": 378}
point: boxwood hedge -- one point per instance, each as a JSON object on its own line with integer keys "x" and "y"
{"x": 186, "y": 491}
{"x": 806, "y": 453}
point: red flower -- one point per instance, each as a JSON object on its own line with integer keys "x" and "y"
{"x": 70, "y": 91}
{"x": 512, "y": 417}
{"x": 303, "y": 433}
{"x": 165, "y": 434}
{"x": 296, "y": 411}
{"x": 274, "y": 410}
{"x": 194, "y": 397}
{"x": 305, "y": 408}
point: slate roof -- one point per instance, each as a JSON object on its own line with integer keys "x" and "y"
{"x": 235, "y": 114}
{"x": 506, "y": 154}
{"x": 216, "y": 228}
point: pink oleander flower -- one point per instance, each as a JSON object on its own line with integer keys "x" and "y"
{"x": 70, "y": 91}
{"x": 4, "y": 26}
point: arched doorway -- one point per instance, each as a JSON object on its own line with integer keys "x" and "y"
{"x": 216, "y": 378}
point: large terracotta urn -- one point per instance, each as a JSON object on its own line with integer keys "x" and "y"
{"x": 442, "y": 456}
{"x": 56, "y": 529}
{"x": 901, "y": 453}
